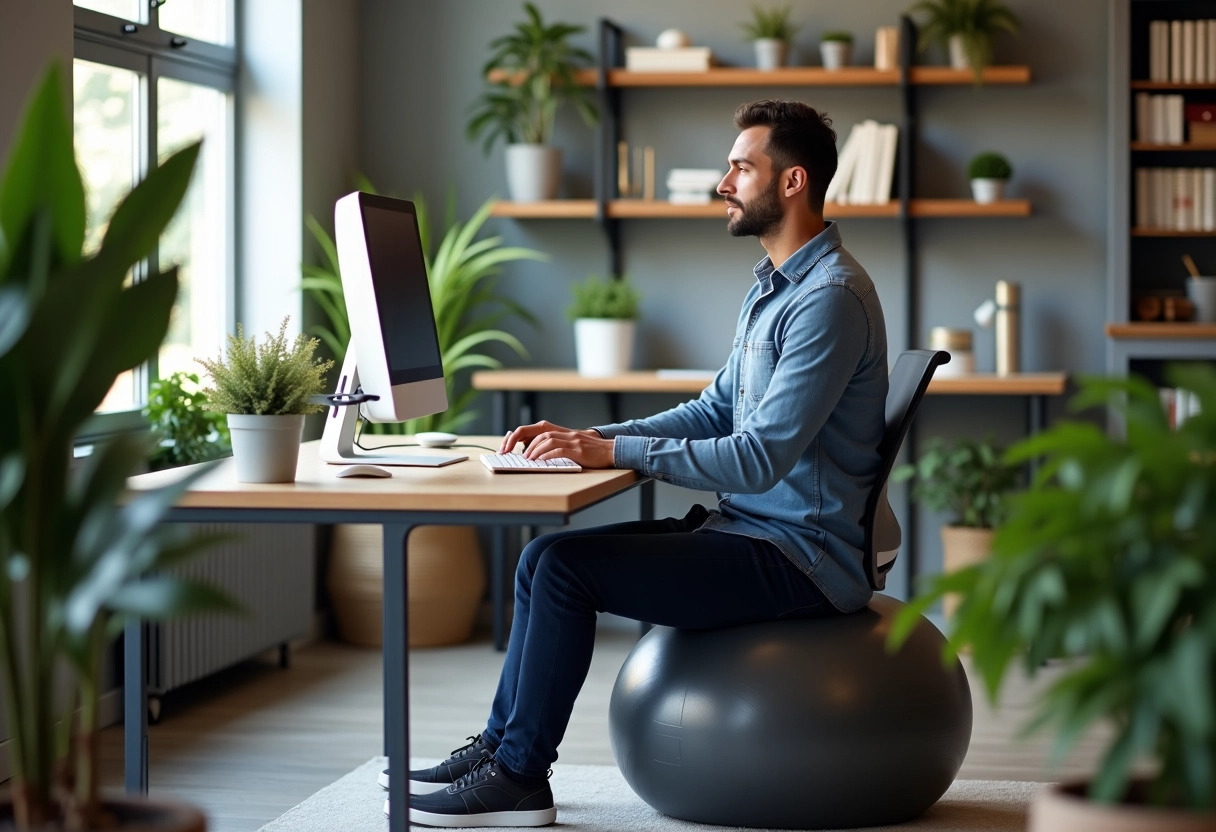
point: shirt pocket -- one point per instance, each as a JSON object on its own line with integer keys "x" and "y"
{"x": 760, "y": 362}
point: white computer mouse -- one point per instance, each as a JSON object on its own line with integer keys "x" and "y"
{"x": 436, "y": 439}
{"x": 364, "y": 471}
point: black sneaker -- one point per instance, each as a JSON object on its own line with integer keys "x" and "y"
{"x": 427, "y": 780}
{"x": 485, "y": 797}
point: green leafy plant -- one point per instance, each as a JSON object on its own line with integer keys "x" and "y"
{"x": 969, "y": 479}
{"x": 75, "y": 553}
{"x": 267, "y": 379}
{"x": 770, "y": 23}
{"x": 975, "y": 21}
{"x": 836, "y": 36}
{"x": 1109, "y": 559}
{"x": 598, "y": 298}
{"x": 530, "y": 72}
{"x": 186, "y": 431}
{"x": 989, "y": 166}
{"x": 468, "y": 310}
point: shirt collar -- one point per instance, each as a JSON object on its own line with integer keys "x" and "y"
{"x": 802, "y": 260}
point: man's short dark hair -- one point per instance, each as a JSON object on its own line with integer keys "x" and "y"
{"x": 798, "y": 135}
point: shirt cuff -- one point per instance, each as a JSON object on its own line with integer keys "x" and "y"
{"x": 630, "y": 452}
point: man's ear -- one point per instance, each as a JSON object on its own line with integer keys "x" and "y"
{"x": 793, "y": 180}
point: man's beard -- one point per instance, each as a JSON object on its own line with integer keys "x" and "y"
{"x": 760, "y": 217}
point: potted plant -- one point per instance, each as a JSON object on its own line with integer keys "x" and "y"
{"x": 446, "y": 569}
{"x": 185, "y": 430}
{"x": 604, "y": 314}
{"x": 836, "y": 49}
{"x": 266, "y": 389}
{"x": 73, "y": 553}
{"x": 965, "y": 28}
{"x": 971, "y": 481}
{"x": 530, "y": 72}
{"x": 988, "y": 173}
{"x": 1107, "y": 560}
{"x": 770, "y": 31}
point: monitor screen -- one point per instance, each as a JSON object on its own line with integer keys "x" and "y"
{"x": 403, "y": 296}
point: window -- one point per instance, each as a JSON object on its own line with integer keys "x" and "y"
{"x": 152, "y": 76}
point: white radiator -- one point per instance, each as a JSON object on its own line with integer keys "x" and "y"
{"x": 271, "y": 570}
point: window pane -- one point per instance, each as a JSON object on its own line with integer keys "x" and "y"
{"x": 126, "y": 9}
{"x": 209, "y": 20}
{"x": 198, "y": 239}
{"x": 106, "y": 117}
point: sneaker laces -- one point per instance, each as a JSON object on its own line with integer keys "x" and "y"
{"x": 464, "y": 749}
{"x": 481, "y": 770}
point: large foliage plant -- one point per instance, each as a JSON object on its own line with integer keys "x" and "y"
{"x": 469, "y": 310}
{"x": 975, "y": 21}
{"x": 78, "y": 560}
{"x": 530, "y": 72}
{"x": 1110, "y": 559}
{"x": 969, "y": 479}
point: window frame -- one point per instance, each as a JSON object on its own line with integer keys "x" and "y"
{"x": 154, "y": 53}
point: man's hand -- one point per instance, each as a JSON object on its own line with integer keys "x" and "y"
{"x": 545, "y": 440}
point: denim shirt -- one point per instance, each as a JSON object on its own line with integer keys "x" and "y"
{"x": 788, "y": 431}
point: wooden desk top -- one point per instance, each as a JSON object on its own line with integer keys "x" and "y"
{"x": 463, "y": 486}
{"x": 649, "y": 381}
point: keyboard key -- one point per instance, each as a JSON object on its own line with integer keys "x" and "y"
{"x": 520, "y": 464}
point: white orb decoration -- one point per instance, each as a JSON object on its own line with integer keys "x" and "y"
{"x": 672, "y": 39}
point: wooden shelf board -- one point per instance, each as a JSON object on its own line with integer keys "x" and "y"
{"x": 1153, "y": 329}
{"x": 1172, "y": 148}
{"x": 1167, "y": 85}
{"x": 969, "y": 208}
{"x": 661, "y": 209}
{"x": 548, "y": 209}
{"x": 799, "y": 76}
{"x": 990, "y": 384}
{"x": 1169, "y": 232}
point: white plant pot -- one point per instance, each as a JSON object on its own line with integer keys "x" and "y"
{"x": 603, "y": 346}
{"x": 770, "y": 53}
{"x": 266, "y": 448}
{"x": 988, "y": 190}
{"x": 534, "y": 172}
{"x": 958, "y": 53}
{"x": 835, "y": 54}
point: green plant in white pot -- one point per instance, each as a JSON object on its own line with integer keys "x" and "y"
{"x": 530, "y": 72}
{"x": 965, "y": 29}
{"x": 771, "y": 31}
{"x": 971, "y": 481}
{"x": 836, "y": 49}
{"x": 604, "y": 313}
{"x": 1108, "y": 561}
{"x": 266, "y": 389}
{"x": 78, "y": 557}
{"x": 989, "y": 173}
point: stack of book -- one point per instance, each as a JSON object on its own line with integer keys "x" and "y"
{"x": 1182, "y": 51}
{"x": 1176, "y": 199}
{"x": 681, "y": 59}
{"x": 1159, "y": 118}
{"x": 866, "y": 166}
{"x": 692, "y": 186}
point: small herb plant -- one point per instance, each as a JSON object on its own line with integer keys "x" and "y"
{"x": 267, "y": 379}
{"x": 975, "y": 21}
{"x": 597, "y": 298}
{"x": 969, "y": 479}
{"x": 770, "y": 23}
{"x": 989, "y": 166}
{"x": 837, "y": 36}
{"x": 187, "y": 432}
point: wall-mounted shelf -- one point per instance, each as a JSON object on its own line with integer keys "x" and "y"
{"x": 1166, "y": 148}
{"x": 1169, "y": 232}
{"x": 801, "y": 76}
{"x": 1158, "y": 330}
{"x": 660, "y": 209}
{"x": 1167, "y": 85}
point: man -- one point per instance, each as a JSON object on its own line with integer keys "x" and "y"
{"x": 787, "y": 434}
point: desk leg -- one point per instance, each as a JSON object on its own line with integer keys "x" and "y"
{"x": 135, "y": 710}
{"x": 498, "y": 412}
{"x": 1036, "y": 420}
{"x": 645, "y": 512}
{"x": 498, "y": 585}
{"x": 396, "y": 673}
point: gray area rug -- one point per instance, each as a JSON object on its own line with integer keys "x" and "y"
{"x": 596, "y": 798}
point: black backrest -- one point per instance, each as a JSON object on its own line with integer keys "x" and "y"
{"x": 909, "y": 380}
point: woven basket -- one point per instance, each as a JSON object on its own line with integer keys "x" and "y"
{"x": 446, "y": 583}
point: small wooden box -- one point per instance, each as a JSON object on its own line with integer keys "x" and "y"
{"x": 1201, "y": 122}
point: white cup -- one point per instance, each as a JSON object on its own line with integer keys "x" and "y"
{"x": 1202, "y": 292}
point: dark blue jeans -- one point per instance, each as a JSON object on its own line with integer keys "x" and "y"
{"x": 657, "y": 571}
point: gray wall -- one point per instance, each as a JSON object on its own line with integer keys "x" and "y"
{"x": 421, "y": 71}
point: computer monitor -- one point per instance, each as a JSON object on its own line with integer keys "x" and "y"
{"x": 394, "y": 352}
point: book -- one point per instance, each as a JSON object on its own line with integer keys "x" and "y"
{"x": 1196, "y": 191}
{"x": 844, "y": 167}
{"x": 1211, "y": 51}
{"x": 1176, "y": 51}
{"x": 1144, "y": 123}
{"x": 889, "y": 134}
{"x": 1188, "y": 51}
{"x": 1159, "y": 51}
{"x": 886, "y": 47}
{"x": 1209, "y": 199}
{"x": 654, "y": 59}
{"x": 1201, "y": 51}
{"x": 861, "y": 189}
{"x": 1142, "y": 198}
{"x": 689, "y": 197}
{"x": 1173, "y": 119}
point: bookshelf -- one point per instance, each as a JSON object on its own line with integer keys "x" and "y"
{"x": 556, "y": 209}
{"x": 1148, "y": 260}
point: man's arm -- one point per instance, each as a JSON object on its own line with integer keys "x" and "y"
{"x": 705, "y": 417}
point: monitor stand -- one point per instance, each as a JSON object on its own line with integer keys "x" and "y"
{"x": 338, "y": 439}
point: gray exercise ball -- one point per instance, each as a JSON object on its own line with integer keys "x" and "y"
{"x": 807, "y": 724}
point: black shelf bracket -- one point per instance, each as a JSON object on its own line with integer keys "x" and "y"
{"x": 611, "y": 55}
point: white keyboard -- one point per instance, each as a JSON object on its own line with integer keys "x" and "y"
{"x": 520, "y": 464}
